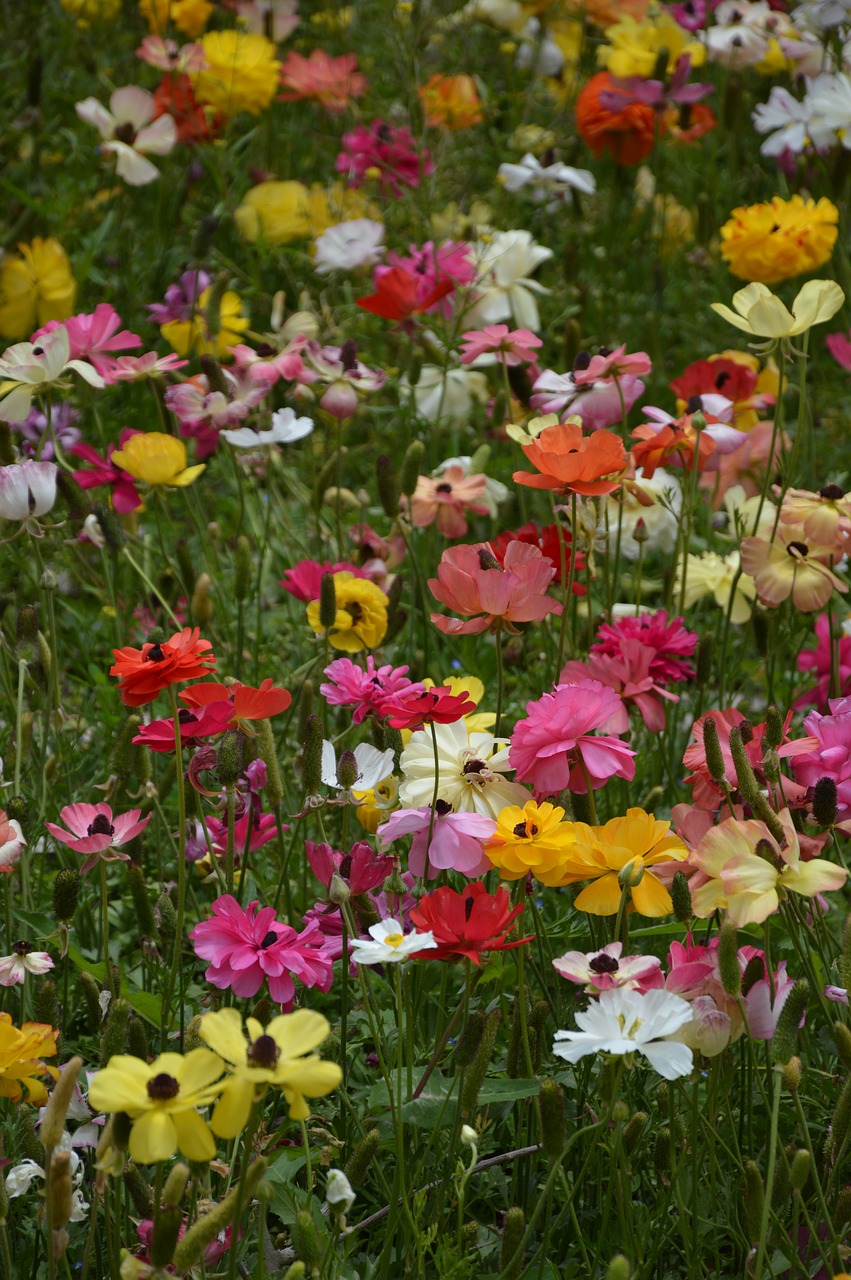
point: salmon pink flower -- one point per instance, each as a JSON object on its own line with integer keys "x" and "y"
{"x": 597, "y": 971}
{"x": 471, "y": 581}
{"x": 569, "y": 462}
{"x": 507, "y": 346}
{"x": 706, "y": 793}
{"x": 445, "y": 499}
{"x": 554, "y": 542}
{"x": 553, "y": 748}
{"x": 332, "y": 82}
{"x": 144, "y": 673}
{"x": 94, "y": 831}
{"x": 468, "y": 924}
{"x": 823, "y": 518}
{"x": 456, "y": 839}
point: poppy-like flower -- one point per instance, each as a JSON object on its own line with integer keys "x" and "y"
{"x": 247, "y": 946}
{"x": 36, "y": 285}
{"x": 732, "y": 376}
{"x": 361, "y": 869}
{"x": 162, "y": 1100}
{"x": 21, "y": 1051}
{"x": 389, "y": 944}
{"x": 94, "y": 831}
{"x": 784, "y": 566}
{"x": 628, "y": 134}
{"x": 606, "y": 969}
{"x": 555, "y": 544}
{"x": 671, "y": 642}
{"x": 27, "y": 490}
{"x": 304, "y": 580}
{"x": 432, "y": 265}
{"x": 277, "y": 1056}
{"x": 274, "y": 212}
{"x": 471, "y": 768}
{"x": 471, "y": 581}
{"x": 759, "y": 312}
{"x": 819, "y": 661}
{"x": 361, "y": 619}
{"x": 468, "y": 924}
{"x": 373, "y": 766}
{"x": 201, "y": 334}
{"x": 397, "y": 295}
{"x": 555, "y": 748}
{"x": 456, "y": 839}
{"x": 203, "y": 722}
{"x": 286, "y": 428}
{"x": 247, "y": 704}
{"x": 147, "y": 671}
{"x": 629, "y": 673}
{"x": 188, "y": 16}
{"x": 28, "y": 368}
{"x": 12, "y": 842}
{"x": 175, "y": 97}
{"x": 823, "y": 518}
{"x": 504, "y": 288}
{"x": 168, "y": 55}
{"x": 344, "y": 377}
{"x": 23, "y": 960}
{"x": 451, "y": 102}
{"x": 718, "y": 576}
{"x": 780, "y": 239}
{"x": 569, "y": 462}
{"x": 532, "y": 839}
{"x": 832, "y": 757}
{"x": 129, "y": 132}
{"x": 124, "y": 494}
{"x": 241, "y": 72}
{"x": 351, "y": 686}
{"x": 596, "y": 402}
{"x": 506, "y": 346}
{"x": 625, "y": 851}
{"x": 413, "y": 708}
{"x": 445, "y": 499}
{"x": 625, "y": 1022}
{"x": 156, "y": 459}
{"x": 385, "y": 153}
{"x": 332, "y": 82}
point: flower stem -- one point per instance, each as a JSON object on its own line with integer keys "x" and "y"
{"x": 104, "y": 902}
{"x": 175, "y": 978}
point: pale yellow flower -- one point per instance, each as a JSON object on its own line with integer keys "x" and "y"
{"x": 761, "y": 313}
{"x": 711, "y": 574}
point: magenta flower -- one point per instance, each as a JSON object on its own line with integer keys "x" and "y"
{"x": 387, "y": 148}
{"x": 509, "y": 346}
{"x": 671, "y": 643}
{"x": 125, "y": 495}
{"x": 431, "y": 265}
{"x": 93, "y": 830}
{"x": 456, "y": 839}
{"x": 304, "y": 580}
{"x": 629, "y": 673}
{"x": 181, "y": 299}
{"x": 553, "y": 747}
{"x": 94, "y": 337}
{"x": 350, "y": 686}
{"x": 832, "y": 757}
{"x": 245, "y": 947}
{"x": 817, "y": 661}
{"x": 602, "y": 970}
{"x": 361, "y": 869}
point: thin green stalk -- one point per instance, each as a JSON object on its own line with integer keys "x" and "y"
{"x": 104, "y": 901}
{"x": 175, "y": 975}
{"x": 769, "y": 1181}
{"x": 247, "y": 1140}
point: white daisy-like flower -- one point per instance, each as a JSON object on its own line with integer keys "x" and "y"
{"x": 23, "y": 960}
{"x": 28, "y": 368}
{"x": 348, "y": 246}
{"x": 389, "y": 944}
{"x": 373, "y": 766}
{"x": 472, "y": 768}
{"x": 503, "y": 284}
{"x": 20, "y": 1178}
{"x": 545, "y": 181}
{"x": 285, "y": 429}
{"x": 622, "y": 1021}
{"x": 129, "y": 132}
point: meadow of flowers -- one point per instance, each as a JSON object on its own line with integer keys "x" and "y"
{"x": 425, "y": 640}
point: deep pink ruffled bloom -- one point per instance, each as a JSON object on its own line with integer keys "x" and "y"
{"x": 832, "y": 757}
{"x": 245, "y": 947}
{"x": 471, "y": 581}
{"x": 550, "y": 747}
{"x": 387, "y": 148}
{"x": 456, "y": 839}
{"x": 670, "y": 641}
{"x": 362, "y": 869}
{"x": 629, "y": 673}
{"x": 93, "y": 337}
{"x": 304, "y": 580}
{"x": 350, "y": 686}
{"x": 93, "y": 830}
{"x": 432, "y": 265}
{"x": 125, "y": 495}
{"x": 817, "y": 661}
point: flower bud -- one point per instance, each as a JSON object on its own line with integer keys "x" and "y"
{"x": 842, "y": 1213}
{"x": 800, "y": 1171}
{"x": 242, "y": 569}
{"x": 552, "y": 1118}
{"x": 295, "y": 1272}
{"x": 339, "y": 1193}
{"x": 631, "y": 873}
{"x": 347, "y": 770}
{"x": 137, "y": 1039}
{"x": 53, "y": 1118}
{"x": 469, "y": 1137}
{"x": 110, "y": 526}
{"x": 475, "y": 1073}
{"x": 66, "y": 893}
{"x": 640, "y": 532}
{"x": 327, "y": 601}
{"x": 410, "y": 469}
{"x": 212, "y": 370}
{"x": 754, "y": 972}
{"x": 712, "y": 751}
{"x": 773, "y": 728}
{"x": 786, "y": 1032}
{"x": 681, "y": 898}
{"x": 388, "y": 490}
{"x": 312, "y": 755}
{"x": 511, "y": 1251}
{"x": 728, "y": 959}
{"x": 114, "y": 1035}
{"x": 229, "y": 757}
{"x": 26, "y": 634}
{"x": 338, "y": 891}
{"x": 754, "y": 1201}
{"x": 619, "y": 1268}
{"x": 202, "y": 605}
{"x": 469, "y": 1039}
{"x": 744, "y": 773}
{"x": 362, "y": 1156}
{"x": 842, "y": 1040}
{"x": 825, "y": 802}
{"x": 47, "y": 1003}
{"x": 663, "y": 1153}
{"x": 165, "y": 917}
{"x": 141, "y": 902}
{"x": 17, "y": 809}
{"x": 168, "y": 1219}
{"x": 306, "y": 1241}
{"x": 265, "y": 743}
{"x": 633, "y": 1132}
{"x": 840, "y": 1122}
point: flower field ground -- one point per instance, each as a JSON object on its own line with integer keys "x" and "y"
{"x": 425, "y": 640}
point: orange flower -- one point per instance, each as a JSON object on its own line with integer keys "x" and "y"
{"x": 248, "y": 703}
{"x": 147, "y": 671}
{"x": 451, "y": 102}
{"x": 676, "y": 441}
{"x": 628, "y": 134}
{"x": 173, "y": 96}
{"x": 691, "y": 122}
{"x": 572, "y": 463}
{"x": 605, "y": 13}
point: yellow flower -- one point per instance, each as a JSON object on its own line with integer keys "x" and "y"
{"x": 189, "y": 16}
{"x": 21, "y": 1051}
{"x": 375, "y": 805}
{"x": 635, "y": 47}
{"x": 337, "y": 203}
{"x": 155, "y": 458}
{"x": 204, "y": 334}
{"x": 161, "y": 1098}
{"x": 275, "y": 212}
{"x": 774, "y": 61}
{"x": 534, "y": 839}
{"x": 780, "y": 239}
{"x": 35, "y": 287}
{"x": 361, "y": 621}
{"x": 760, "y": 312}
{"x": 279, "y": 1055}
{"x": 88, "y": 11}
{"x": 451, "y": 102}
{"x": 241, "y": 74}
{"x": 711, "y": 574}
{"x": 626, "y": 848}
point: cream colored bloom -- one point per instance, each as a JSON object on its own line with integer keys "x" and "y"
{"x": 472, "y": 768}
{"x": 711, "y": 574}
{"x": 760, "y": 312}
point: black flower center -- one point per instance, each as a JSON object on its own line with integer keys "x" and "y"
{"x": 163, "y": 1087}
{"x": 469, "y": 903}
{"x": 154, "y": 654}
{"x": 125, "y": 133}
{"x": 101, "y": 826}
{"x": 185, "y": 716}
{"x": 21, "y": 948}
{"x": 263, "y": 1052}
{"x": 720, "y": 380}
{"x": 270, "y": 939}
{"x": 582, "y": 361}
{"x": 603, "y": 964}
{"x": 801, "y": 548}
{"x": 832, "y": 492}
{"x": 474, "y": 766}
{"x": 348, "y": 355}
{"x": 444, "y": 488}
{"x": 442, "y": 808}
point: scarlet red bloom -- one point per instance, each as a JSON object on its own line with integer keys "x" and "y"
{"x": 628, "y": 135}
{"x": 468, "y": 923}
{"x": 173, "y": 97}
{"x": 572, "y": 463}
{"x": 395, "y": 296}
{"x": 547, "y": 542}
{"x": 415, "y": 707}
{"x": 247, "y": 704}
{"x": 195, "y": 725}
{"x": 145, "y": 672}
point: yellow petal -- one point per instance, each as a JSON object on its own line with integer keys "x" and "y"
{"x": 193, "y": 1137}
{"x": 818, "y": 301}
{"x": 651, "y": 898}
{"x": 222, "y": 1031}
{"x": 153, "y": 1137}
{"x": 231, "y": 1112}
{"x": 601, "y": 897}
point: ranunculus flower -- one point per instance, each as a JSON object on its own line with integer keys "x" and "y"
{"x": 555, "y": 747}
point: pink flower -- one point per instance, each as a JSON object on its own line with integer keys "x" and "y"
{"x": 350, "y": 686}
{"x": 332, "y": 82}
{"x": 602, "y": 970}
{"x": 125, "y": 495}
{"x": 202, "y": 413}
{"x": 553, "y": 747}
{"x": 387, "y": 148}
{"x": 599, "y": 404}
{"x": 167, "y": 55}
{"x": 432, "y": 265}
{"x": 445, "y": 499}
{"x": 244, "y": 947}
{"x": 832, "y": 757}
{"x": 509, "y": 346}
{"x": 251, "y": 831}
{"x": 762, "y": 1014}
{"x": 304, "y": 580}
{"x": 610, "y": 364}
{"x": 839, "y": 346}
{"x": 93, "y": 830}
{"x": 629, "y": 674}
{"x": 135, "y": 368}
{"x": 90, "y": 336}
{"x": 707, "y": 794}
{"x": 456, "y": 839}
{"x": 361, "y": 869}
{"x": 471, "y": 581}
{"x": 12, "y": 842}
{"x": 670, "y": 641}
{"x": 817, "y": 660}
{"x": 342, "y": 374}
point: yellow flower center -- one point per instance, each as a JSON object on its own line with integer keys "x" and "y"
{"x": 394, "y": 939}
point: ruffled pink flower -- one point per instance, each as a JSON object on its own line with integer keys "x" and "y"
{"x": 245, "y": 947}
{"x": 602, "y": 970}
{"x": 817, "y": 661}
{"x": 125, "y": 495}
{"x": 350, "y": 686}
{"x": 361, "y": 869}
{"x": 509, "y": 346}
{"x": 332, "y": 82}
{"x": 705, "y": 792}
{"x": 432, "y": 266}
{"x": 456, "y": 839}
{"x": 252, "y": 830}
{"x": 304, "y": 580}
{"x": 610, "y": 364}
{"x": 553, "y": 748}
{"x": 629, "y": 674}
{"x": 599, "y": 404}
{"x": 92, "y": 337}
{"x": 203, "y": 413}
{"x": 94, "y": 831}
{"x": 445, "y": 500}
{"x": 387, "y": 148}
{"x": 671, "y": 643}
{"x": 135, "y": 368}
{"x": 839, "y": 346}
{"x": 832, "y": 757}
{"x": 471, "y": 581}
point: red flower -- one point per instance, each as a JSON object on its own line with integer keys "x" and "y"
{"x": 547, "y": 541}
{"x": 627, "y": 134}
{"x": 173, "y": 97}
{"x": 247, "y": 704}
{"x": 395, "y": 296}
{"x": 412, "y": 708}
{"x": 203, "y": 722}
{"x": 147, "y": 671}
{"x": 467, "y": 923}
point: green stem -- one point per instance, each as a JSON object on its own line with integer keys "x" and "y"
{"x": 247, "y": 1140}
{"x": 104, "y": 901}
{"x": 175, "y": 975}
{"x": 769, "y": 1181}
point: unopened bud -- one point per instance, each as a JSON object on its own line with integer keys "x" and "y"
{"x": 110, "y": 526}
{"x": 137, "y": 1039}
{"x": 47, "y": 1003}
{"x": 339, "y": 1193}
{"x": 243, "y": 569}
{"x": 141, "y": 902}
{"x": 633, "y": 1131}
{"x": 511, "y": 1251}
{"x": 66, "y": 893}
{"x": 204, "y": 1230}
{"x": 265, "y": 743}
{"x": 388, "y": 490}
{"x": 640, "y": 532}
{"x": 312, "y": 755}
{"x": 619, "y": 1268}
{"x": 773, "y": 735}
{"x": 468, "y": 1041}
{"x": 202, "y": 604}
{"x": 411, "y": 465}
{"x": 631, "y": 873}
{"x": 698, "y": 421}
{"x": 552, "y": 1118}
{"x": 786, "y": 1033}
{"x": 842, "y": 1040}
{"x": 347, "y": 770}
{"x": 76, "y": 499}
{"x": 306, "y": 1241}
{"x": 229, "y": 757}
{"x": 165, "y": 917}
{"x": 825, "y": 802}
{"x": 477, "y": 1069}
{"x": 362, "y": 1156}
{"x": 744, "y": 773}
{"x": 114, "y": 1035}
{"x": 338, "y": 891}
{"x": 840, "y": 1122}
{"x": 212, "y": 370}
{"x": 728, "y": 959}
{"x": 800, "y": 1171}
{"x": 681, "y": 898}
{"x": 53, "y": 1118}
{"x": 469, "y": 1137}
{"x": 754, "y": 973}
{"x": 791, "y": 1075}
{"x": 91, "y": 997}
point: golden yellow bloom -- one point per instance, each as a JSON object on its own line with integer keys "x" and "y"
{"x": 275, "y": 212}
{"x": 206, "y": 335}
{"x": 774, "y": 62}
{"x": 375, "y": 805}
{"x": 625, "y": 849}
{"x": 188, "y": 16}
{"x": 242, "y": 72}
{"x": 36, "y": 285}
{"x": 361, "y": 621}
{"x": 451, "y": 102}
{"x": 634, "y": 47}
{"x": 155, "y": 458}
{"x": 780, "y": 239}
{"x": 88, "y": 11}
{"x": 534, "y": 839}
{"x": 21, "y": 1051}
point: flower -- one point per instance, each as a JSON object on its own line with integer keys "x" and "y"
{"x": 831, "y": 758}
{"x": 361, "y": 619}
{"x": 785, "y": 566}
{"x": 130, "y": 132}
{"x": 569, "y": 462}
{"x": 627, "y": 134}
{"x": 468, "y": 924}
{"x": 553, "y": 747}
{"x": 432, "y": 265}
{"x": 388, "y": 944}
{"x": 278, "y": 1056}
{"x": 446, "y": 498}
{"x": 606, "y": 969}
{"x": 373, "y": 766}
{"x": 168, "y": 55}
{"x": 718, "y": 576}
{"x": 823, "y": 517}
{"x": 759, "y": 312}
{"x": 96, "y": 832}
{"x": 414, "y": 707}
{"x": 471, "y": 581}
{"x": 27, "y": 490}
{"x": 246, "y": 946}
{"x": 12, "y": 842}
{"x": 819, "y": 660}
{"x": 450, "y": 102}
{"x": 361, "y": 869}
{"x": 339, "y": 1193}
{"x": 286, "y": 428}
{"x": 145, "y": 672}
{"x": 781, "y": 239}
{"x": 628, "y": 672}
{"x": 555, "y": 544}
{"x": 342, "y": 374}
{"x": 504, "y": 289}
{"x": 351, "y": 686}
{"x": 547, "y": 181}
{"x": 156, "y": 459}
{"x": 447, "y": 841}
{"x": 161, "y": 1098}
{"x": 28, "y": 368}
{"x": 188, "y": 16}
{"x": 531, "y": 840}
{"x": 203, "y": 333}
{"x": 596, "y": 402}
{"x": 247, "y": 704}
{"x": 241, "y": 72}
{"x": 470, "y": 769}
{"x": 447, "y": 395}
{"x": 397, "y": 295}
{"x": 36, "y": 285}
{"x": 624, "y": 1021}
{"x": 21, "y": 1051}
{"x": 23, "y": 960}
{"x": 620, "y": 854}
{"x": 385, "y": 153}
{"x": 21, "y": 1176}
{"x": 508, "y": 346}
{"x": 348, "y": 246}
{"x": 332, "y": 82}
{"x": 634, "y": 48}
{"x": 671, "y": 643}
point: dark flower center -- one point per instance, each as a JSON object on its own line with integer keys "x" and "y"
{"x": 346, "y": 866}
{"x": 101, "y": 826}
{"x": 832, "y": 492}
{"x": 125, "y": 133}
{"x": 154, "y": 654}
{"x": 442, "y": 808}
{"x": 582, "y": 361}
{"x": 444, "y": 488}
{"x": 474, "y": 766}
{"x": 263, "y": 1052}
{"x": 163, "y": 1087}
{"x": 487, "y": 559}
{"x": 469, "y": 903}
{"x": 21, "y": 948}
{"x": 185, "y": 716}
{"x": 270, "y": 939}
{"x": 354, "y": 611}
{"x": 801, "y": 548}
{"x": 603, "y": 964}
{"x": 694, "y": 404}
{"x": 722, "y": 377}
{"x": 348, "y": 355}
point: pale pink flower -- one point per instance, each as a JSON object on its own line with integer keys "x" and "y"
{"x": 129, "y": 132}
{"x": 351, "y": 686}
{"x": 507, "y": 346}
{"x": 831, "y": 758}
{"x": 599, "y": 404}
{"x": 332, "y": 82}
{"x": 342, "y": 374}
{"x": 456, "y": 839}
{"x": 167, "y": 55}
{"x": 553, "y": 748}
{"x": 150, "y": 365}
{"x": 197, "y": 407}
{"x": 471, "y": 581}
{"x": 96, "y": 832}
{"x": 711, "y": 1029}
{"x": 446, "y": 498}
{"x": 611, "y": 364}
{"x": 601, "y": 970}
{"x": 761, "y": 1012}
{"x": 91, "y": 337}
{"x": 12, "y": 842}
{"x": 839, "y": 346}
{"x": 23, "y": 960}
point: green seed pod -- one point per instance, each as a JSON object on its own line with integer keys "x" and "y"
{"x": 202, "y": 603}
{"x": 47, "y": 1003}
{"x": 681, "y": 898}
{"x": 365, "y": 910}
{"x": 165, "y": 918}
{"x": 327, "y": 601}
{"x": 141, "y": 902}
{"x": 362, "y": 1157}
{"x": 110, "y": 526}
{"x": 763, "y": 810}
{"x": 791, "y": 1075}
{"x": 800, "y": 1171}
{"x": 842, "y": 1040}
{"x": 186, "y": 564}
{"x": 17, "y": 808}
{"x": 393, "y": 738}
{"x": 842, "y": 1213}
{"x": 839, "y": 1123}
{"x": 388, "y": 490}
{"x": 634, "y": 1131}
{"x": 475, "y": 1073}
{"x": 786, "y": 1034}
{"x": 703, "y": 672}
{"x": 60, "y": 1189}
{"x": 121, "y": 757}
{"x": 306, "y": 1241}
{"x": 754, "y": 1201}
{"x": 76, "y": 499}
{"x": 243, "y": 569}
{"x": 744, "y": 773}
{"x": 312, "y": 755}
{"x": 619, "y": 1268}
{"x": 511, "y": 1251}
{"x": 192, "y": 1039}
{"x": 191, "y": 1248}
{"x": 114, "y": 1036}
{"x": 167, "y": 1223}
{"x": 469, "y": 1039}
{"x": 265, "y": 743}
{"x": 229, "y": 757}
{"x": 728, "y": 959}
{"x": 773, "y": 728}
{"x": 91, "y": 995}
{"x": 137, "y": 1039}
{"x": 53, "y": 1120}
{"x": 139, "y": 1190}
{"x": 712, "y": 751}
{"x": 825, "y": 802}
{"x": 66, "y": 893}
{"x": 552, "y": 1118}
{"x": 305, "y": 707}
{"x": 26, "y": 634}
{"x": 663, "y": 1154}
{"x": 347, "y": 770}
{"x": 412, "y": 463}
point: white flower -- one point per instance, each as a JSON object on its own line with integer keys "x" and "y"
{"x": 128, "y": 130}
{"x": 503, "y": 283}
{"x": 661, "y": 517}
{"x": 27, "y": 368}
{"x": 547, "y": 180}
{"x": 19, "y": 1179}
{"x": 785, "y": 119}
{"x": 373, "y": 766}
{"x": 27, "y": 491}
{"x": 469, "y": 1137}
{"x": 447, "y": 395}
{"x": 338, "y": 1191}
{"x": 495, "y": 490}
{"x": 829, "y": 110}
{"x": 23, "y": 960}
{"x": 740, "y": 34}
{"x": 471, "y": 769}
{"x": 349, "y": 245}
{"x": 93, "y": 531}
{"x": 390, "y": 944}
{"x": 624, "y": 1021}
{"x": 285, "y": 429}
{"x": 539, "y": 51}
